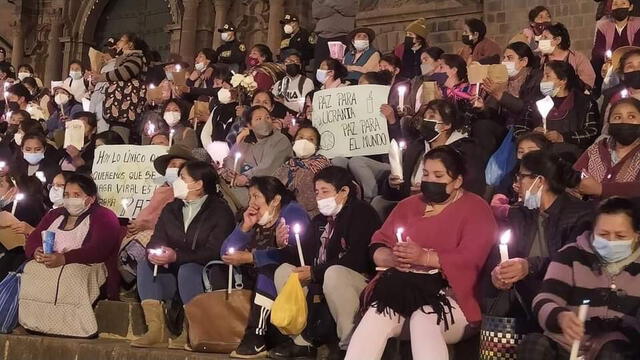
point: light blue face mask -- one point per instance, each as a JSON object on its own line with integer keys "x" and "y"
{"x": 612, "y": 251}
{"x": 532, "y": 201}
{"x": 171, "y": 175}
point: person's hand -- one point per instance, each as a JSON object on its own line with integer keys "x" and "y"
{"x": 409, "y": 253}
{"x": 53, "y": 260}
{"x": 242, "y": 135}
{"x": 38, "y": 254}
{"x": 250, "y": 218}
{"x": 133, "y": 228}
{"x": 497, "y": 281}
{"x": 304, "y": 274}
{"x": 395, "y": 181}
{"x": 494, "y": 89}
{"x": 63, "y": 118}
{"x": 167, "y": 257}
{"x": 590, "y": 186}
{"x": 208, "y": 73}
{"x": 572, "y": 327}
{"x": 539, "y": 129}
{"x": 282, "y": 234}
{"x": 516, "y": 187}
{"x": 389, "y": 114}
{"x": 605, "y": 69}
{"x": 22, "y": 228}
{"x": 194, "y": 75}
{"x": 554, "y": 136}
{"x": 238, "y": 258}
{"x": 241, "y": 180}
{"x": 477, "y": 102}
{"x": 73, "y": 151}
{"x": 513, "y": 270}
{"x": 226, "y": 174}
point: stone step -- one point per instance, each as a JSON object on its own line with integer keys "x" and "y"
{"x": 120, "y": 320}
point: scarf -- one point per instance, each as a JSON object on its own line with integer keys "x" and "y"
{"x": 561, "y": 111}
{"x": 515, "y": 83}
{"x": 314, "y": 163}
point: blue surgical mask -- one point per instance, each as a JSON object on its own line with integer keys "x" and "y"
{"x": 171, "y": 175}
{"x": 612, "y": 251}
{"x": 532, "y": 201}
{"x": 34, "y": 158}
{"x": 547, "y": 88}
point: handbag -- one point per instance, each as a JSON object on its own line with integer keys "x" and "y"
{"x": 289, "y": 310}
{"x": 132, "y": 251}
{"x": 217, "y": 319}
{"x": 9, "y": 289}
{"x": 502, "y": 161}
{"x": 500, "y": 334}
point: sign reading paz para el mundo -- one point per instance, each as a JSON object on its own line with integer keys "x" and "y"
{"x": 350, "y": 122}
{"x": 126, "y": 177}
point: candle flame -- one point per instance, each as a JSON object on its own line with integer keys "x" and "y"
{"x": 19, "y": 197}
{"x": 505, "y": 237}
{"x": 231, "y": 250}
{"x": 2, "y": 164}
{"x": 608, "y": 54}
{"x": 178, "y": 68}
{"x": 399, "y": 231}
{"x": 586, "y": 302}
{"x": 125, "y": 202}
{"x": 296, "y": 228}
{"x": 155, "y": 251}
{"x": 40, "y": 176}
{"x": 402, "y": 89}
{"x": 402, "y": 145}
{"x": 151, "y": 86}
{"x": 624, "y": 93}
{"x": 238, "y": 155}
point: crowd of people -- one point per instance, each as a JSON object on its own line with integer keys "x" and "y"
{"x": 412, "y": 255}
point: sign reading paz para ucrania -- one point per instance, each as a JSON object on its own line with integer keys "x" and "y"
{"x": 350, "y": 122}
{"x": 126, "y": 177}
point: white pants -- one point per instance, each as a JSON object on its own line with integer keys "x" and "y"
{"x": 428, "y": 339}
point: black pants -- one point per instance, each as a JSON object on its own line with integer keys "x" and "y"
{"x": 11, "y": 260}
{"x": 538, "y": 346}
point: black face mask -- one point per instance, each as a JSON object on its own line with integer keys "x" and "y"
{"x": 624, "y": 134}
{"x": 620, "y": 14}
{"x": 632, "y": 79}
{"x": 408, "y": 41}
{"x": 466, "y": 39}
{"x": 292, "y": 69}
{"x": 428, "y": 130}
{"x": 13, "y": 106}
{"x": 434, "y": 192}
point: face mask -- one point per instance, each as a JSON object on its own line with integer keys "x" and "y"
{"x": 511, "y": 68}
{"x": 180, "y": 189}
{"x": 75, "y": 75}
{"x": 467, "y": 40}
{"x": 304, "y": 148}
{"x": 539, "y": 28}
{"x": 171, "y": 175}
{"x": 265, "y": 218}
{"x": 4, "y": 200}
{"x": 624, "y": 134}
{"x": 224, "y": 96}
{"x": 262, "y": 129}
{"x": 428, "y": 130}
{"x": 61, "y": 99}
{"x": 440, "y": 78}
{"x": 620, "y": 14}
{"x": 532, "y": 201}
{"x": 426, "y": 69}
{"x": 288, "y": 29}
{"x": 226, "y": 36}
{"x": 168, "y": 75}
{"x": 292, "y": 69}
{"x": 23, "y": 75}
{"x": 172, "y": 118}
{"x": 434, "y": 192}
{"x": 612, "y": 251}
{"x": 56, "y": 196}
{"x": 546, "y": 47}
{"x": 632, "y": 79}
{"x": 34, "y": 158}
{"x": 329, "y": 206}
{"x": 361, "y": 45}
{"x": 17, "y": 138}
{"x": 251, "y": 61}
{"x": 200, "y": 66}
{"x": 547, "y": 88}
{"x": 408, "y": 41}
{"x": 75, "y": 206}
{"x": 13, "y": 106}
{"x": 321, "y": 75}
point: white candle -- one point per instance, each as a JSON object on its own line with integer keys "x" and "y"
{"x": 582, "y": 316}
{"x": 2, "y": 164}
{"x": 402, "y": 146}
{"x": 151, "y": 87}
{"x": 125, "y": 204}
{"x": 399, "y": 233}
{"x": 151, "y": 129}
{"x": 41, "y": 177}
{"x": 401, "y": 91}
{"x": 608, "y": 54}
{"x": 293, "y": 122}
{"x": 171, "y": 132}
{"x": 296, "y": 230}
{"x": 504, "y": 245}
{"x": 178, "y": 68}
{"x": 624, "y": 93}
{"x": 19, "y": 197}
{"x": 231, "y": 251}
{"x": 238, "y": 155}
{"x": 544, "y": 107}
{"x": 155, "y": 267}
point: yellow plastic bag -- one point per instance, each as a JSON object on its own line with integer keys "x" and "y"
{"x": 289, "y": 311}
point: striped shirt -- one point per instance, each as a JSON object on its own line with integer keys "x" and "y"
{"x": 129, "y": 66}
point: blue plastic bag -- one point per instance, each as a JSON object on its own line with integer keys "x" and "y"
{"x": 502, "y": 161}
{"x": 9, "y": 291}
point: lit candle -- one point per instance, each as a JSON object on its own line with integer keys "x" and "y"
{"x": 231, "y": 251}
{"x": 624, "y": 93}
{"x": 155, "y": 267}
{"x": 296, "y": 231}
{"x": 399, "y": 233}
{"x": 171, "y": 132}
{"x": 293, "y": 122}
{"x": 401, "y": 90}
{"x": 178, "y": 68}
{"x": 125, "y": 204}
{"x": 582, "y": 316}
{"x": 41, "y": 177}
{"x": 151, "y": 129}
{"x": 544, "y": 107}
{"x": 2, "y": 165}
{"x": 19, "y": 197}
{"x": 608, "y": 54}
{"x": 238, "y": 155}
{"x": 504, "y": 245}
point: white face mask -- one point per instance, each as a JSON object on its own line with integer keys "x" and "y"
{"x": 548, "y": 88}
{"x": 329, "y": 206}
{"x": 226, "y": 36}
{"x": 172, "y": 118}
{"x": 546, "y": 47}
{"x": 426, "y": 69}
{"x": 511, "y": 68}
{"x": 265, "y": 218}
{"x": 33, "y": 158}
{"x": 224, "y": 96}
{"x": 17, "y": 138}
{"x": 288, "y": 29}
{"x": 200, "y": 66}
{"x": 56, "y": 195}
{"x": 180, "y": 189}
{"x": 321, "y": 75}
{"x": 61, "y": 99}
{"x": 171, "y": 175}
{"x": 169, "y": 75}
{"x": 75, "y": 206}
{"x": 304, "y": 148}
{"x": 532, "y": 201}
{"x": 23, "y": 75}
{"x": 75, "y": 75}
{"x": 361, "y": 45}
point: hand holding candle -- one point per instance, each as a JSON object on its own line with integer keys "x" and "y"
{"x": 235, "y": 169}
{"x": 19, "y": 197}
{"x": 399, "y": 233}
{"x": 504, "y": 245}
{"x": 296, "y": 231}
{"x": 41, "y": 177}
{"x": 624, "y": 93}
{"x": 544, "y": 108}
{"x": 171, "y": 133}
{"x": 608, "y": 55}
{"x": 401, "y": 91}
{"x": 231, "y": 251}
{"x": 155, "y": 267}
{"x": 582, "y": 316}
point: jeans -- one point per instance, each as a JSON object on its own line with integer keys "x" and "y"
{"x": 187, "y": 281}
{"x": 367, "y": 173}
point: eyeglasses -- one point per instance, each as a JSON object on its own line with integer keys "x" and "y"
{"x": 520, "y": 176}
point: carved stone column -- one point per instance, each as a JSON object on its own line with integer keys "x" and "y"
{"x": 276, "y": 13}
{"x": 54, "y": 49}
{"x": 188, "y": 36}
{"x": 222, "y": 9}
{"x": 17, "y": 54}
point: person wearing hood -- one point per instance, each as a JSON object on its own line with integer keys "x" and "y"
{"x": 598, "y": 270}
{"x": 477, "y": 47}
{"x": 66, "y": 108}
{"x": 76, "y": 81}
{"x": 298, "y": 172}
{"x": 175, "y": 116}
{"x": 232, "y": 52}
{"x": 409, "y": 52}
{"x": 539, "y": 20}
{"x": 293, "y": 88}
{"x": 361, "y": 56}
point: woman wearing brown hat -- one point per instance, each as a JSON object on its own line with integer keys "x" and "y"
{"x": 361, "y": 56}
{"x": 409, "y": 52}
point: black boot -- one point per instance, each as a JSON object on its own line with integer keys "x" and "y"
{"x": 289, "y": 350}
{"x": 335, "y": 353}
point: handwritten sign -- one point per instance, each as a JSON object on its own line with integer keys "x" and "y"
{"x": 350, "y": 122}
{"x": 125, "y": 176}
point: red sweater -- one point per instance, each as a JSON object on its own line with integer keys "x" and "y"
{"x": 100, "y": 246}
{"x": 462, "y": 235}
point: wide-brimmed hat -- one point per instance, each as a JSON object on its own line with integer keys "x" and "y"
{"x": 288, "y": 18}
{"x": 176, "y": 151}
{"x": 227, "y": 27}
{"x": 370, "y": 33}
{"x": 617, "y": 56}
